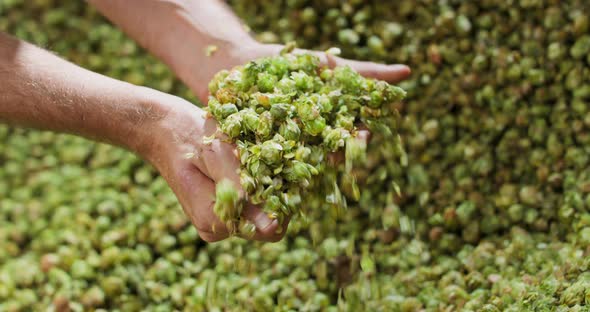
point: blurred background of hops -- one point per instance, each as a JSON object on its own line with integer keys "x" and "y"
{"x": 495, "y": 207}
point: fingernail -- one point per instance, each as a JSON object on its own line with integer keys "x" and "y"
{"x": 401, "y": 67}
{"x": 262, "y": 221}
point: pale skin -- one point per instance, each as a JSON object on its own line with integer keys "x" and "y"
{"x": 40, "y": 90}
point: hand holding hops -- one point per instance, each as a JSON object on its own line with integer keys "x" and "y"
{"x": 286, "y": 114}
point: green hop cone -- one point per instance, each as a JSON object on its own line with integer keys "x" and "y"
{"x": 292, "y": 114}
{"x": 228, "y": 204}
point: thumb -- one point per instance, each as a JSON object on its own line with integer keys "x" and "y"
{"x": 267, "y": 229}
{"x": 218, "y": 161}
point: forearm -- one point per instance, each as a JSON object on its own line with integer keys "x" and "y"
{"x": 179, "y": 32}
{"x": 43, "y": 91}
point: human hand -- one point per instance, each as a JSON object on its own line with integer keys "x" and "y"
{"x": 207, "y": 38}
{"x": 192, "y": 167}
{"x": 218, "y": 160}
{"x": 200, "y": 26}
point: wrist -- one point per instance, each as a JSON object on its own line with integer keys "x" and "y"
{"x": 152, "y": 110}
{"x": 174, "y": 132}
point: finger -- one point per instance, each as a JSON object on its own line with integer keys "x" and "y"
{"x": 217, "y": 159}
{"x": 390, "y": 73}
{"x": 203, "y": 96}
{"x": 338, "y": 157}
{"x": 221, "y": 162}
{"x": 267, "y": 229}
{"x": 364, "y": 134}
{"x": 197, "y": 199}
{"x": 211, "y": 237}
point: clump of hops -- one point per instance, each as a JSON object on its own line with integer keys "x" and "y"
{"x": 288, "y": 115}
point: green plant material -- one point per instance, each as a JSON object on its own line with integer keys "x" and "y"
{"x": 275, "y": 107}
{"x": 228, "y": 205}
{"x": 484, "y": 145}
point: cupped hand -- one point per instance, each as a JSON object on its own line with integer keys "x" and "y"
{"x": 192, "y": 165}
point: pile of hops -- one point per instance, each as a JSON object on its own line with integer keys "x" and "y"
{"x": 495, "y": 206}
{"x": 289, "y": 117}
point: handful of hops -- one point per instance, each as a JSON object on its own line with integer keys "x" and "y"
{"x": 286, "y": 114}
